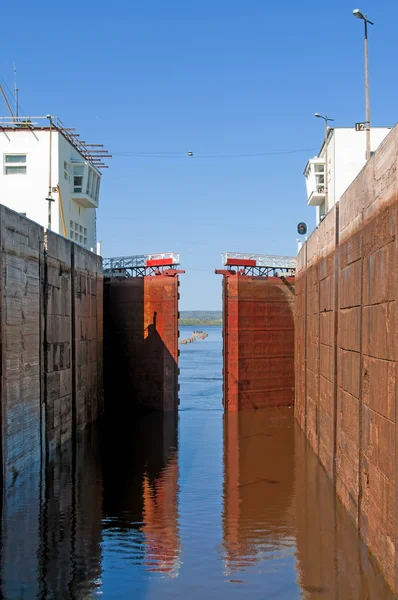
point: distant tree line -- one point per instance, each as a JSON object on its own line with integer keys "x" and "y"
{"x": 206, "y": 315}
{"x": 200, "y": 322}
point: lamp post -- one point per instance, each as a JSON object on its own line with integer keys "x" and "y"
{"x": 326, "y": 119}
{"x": 357, "y": 13}
{"x": 49, "y": 198}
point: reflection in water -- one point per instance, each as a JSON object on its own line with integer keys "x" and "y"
{"x": 278, "y": 501}
{"x": 141, "y": 489}
{"x": 333, "y": 562}
{"x": 52, "y": 527}
{"x": 56, "y": 524}
{"x": 130, "y": 513}
{"x": 258, "y": 486}
{"x": 160, "y": 517}
{"x": 20, "y": 537}
{"x": 70, "y": 521}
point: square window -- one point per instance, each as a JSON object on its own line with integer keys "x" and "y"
{"x": 71, "y": 234}
{"x": 85, "y": 241}
{"x": 85, "y": 231}
{"x": 71, "y": 224}
{"x": 78, "y": 184}
{"x": 76, "y": 227}
{"x": 81, "y": 229}
{"x": 78, "y": 173}
{"x": 15, "y": 164}
{"x": 81, "y": 239}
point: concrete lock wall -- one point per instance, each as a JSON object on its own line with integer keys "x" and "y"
{"x": 88, "y": 335}
{"x": 72, "y": 332}
{"x": 49, "y": 309}
{"x": 346, "y": 350}
{"x": 258, "y": 341}
{"x": 21, "y": 243}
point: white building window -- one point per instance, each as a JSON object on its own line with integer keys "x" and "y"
{"x": 78, "y": 173}
{"x": 66, "y": 171}
{"x": 320, "y": 178}
{"x": 15, "y": 164}
{"x": 96, "y": 185}
{"x": 89, "y": 179}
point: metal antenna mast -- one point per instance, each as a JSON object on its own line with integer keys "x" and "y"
{"x": 16, "y": 90}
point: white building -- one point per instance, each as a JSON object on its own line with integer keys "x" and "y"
{"x": 42, "y": 161}
{"x": 346, "y": 151}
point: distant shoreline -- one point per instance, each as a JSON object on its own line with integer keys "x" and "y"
{"x": 200, "y": 318}
{"x": 200, "y": 322}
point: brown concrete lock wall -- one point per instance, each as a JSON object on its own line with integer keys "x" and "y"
{"x": 37, "y": 304}
{"x": 57, "y": 340}
{"x": 258, "y": 341}
{"x": 72, "y": 331}
{"x": 21, "y": 242}
{"x": 141, "y": 342}
{"x": 87, "y": 286}
{"x": 346, "y": 351}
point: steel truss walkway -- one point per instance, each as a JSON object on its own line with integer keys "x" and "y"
{"x": 141, "y": 265}
{"x": 262, "y": 265}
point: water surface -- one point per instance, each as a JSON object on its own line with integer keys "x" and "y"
{"x": 206, "y": 507}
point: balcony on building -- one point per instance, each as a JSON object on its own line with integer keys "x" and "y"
{"x": 315, "y": 181}
{"x": 85, "y": 184}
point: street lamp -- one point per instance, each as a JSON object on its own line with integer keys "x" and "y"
{"x": 49, "y": 198}
{"x": 326, "y": 119}
{"x": 357, "y": 13}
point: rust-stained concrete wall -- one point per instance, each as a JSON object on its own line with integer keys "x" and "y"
{"x": 258, "y": 341}
{"x": 41, "y": 319}
{"x": 141, "y": 343}
{"x": 346, "y": 350}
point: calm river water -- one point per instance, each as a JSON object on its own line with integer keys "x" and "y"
{"x": 216, "y": 507}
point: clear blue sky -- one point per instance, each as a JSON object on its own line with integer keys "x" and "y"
{"x": 214, "y": 77}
